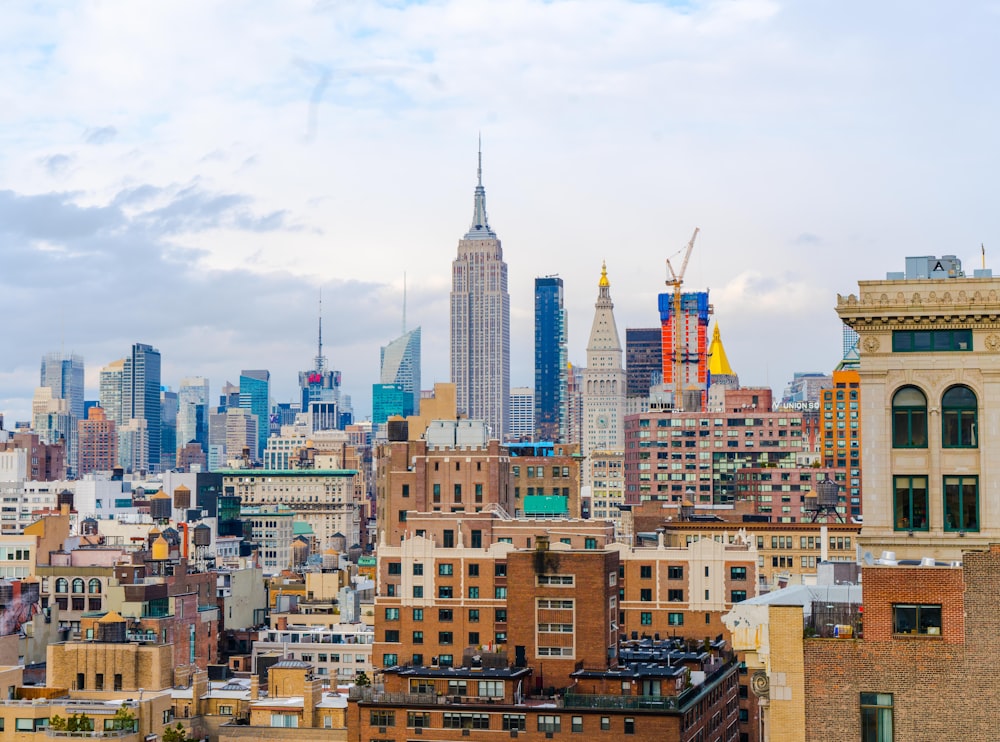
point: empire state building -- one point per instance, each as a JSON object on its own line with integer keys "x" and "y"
{"x": 480, "y": 322}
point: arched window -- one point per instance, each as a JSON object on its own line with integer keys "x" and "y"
{"x": 78, "y": 585}
{"x": 909, "y": 418}
{"x": 958, "y": 418}
{"x": 94, "y": 586}
{"x": 62, "y": 585}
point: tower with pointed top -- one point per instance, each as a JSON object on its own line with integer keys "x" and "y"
{"x": 604, "y": 378}
{"x": 720, "y": 374}
{"x": 480, "y": 322}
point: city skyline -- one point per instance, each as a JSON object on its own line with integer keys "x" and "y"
{"x": 338, "y": 155}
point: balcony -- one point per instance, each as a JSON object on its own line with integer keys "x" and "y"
{"x": 115, "y": 734}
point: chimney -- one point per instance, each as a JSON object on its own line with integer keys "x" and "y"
{"x": 199, "y": 686}
{"x": 282, "y": 623}
{"x": 312, "y": 696}
{"x": 254, "y": 687}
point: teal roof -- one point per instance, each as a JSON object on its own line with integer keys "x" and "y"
{"x": 547, "y": 504}
{"x": 366, "y": 561}
{"x": 299, "y": 528}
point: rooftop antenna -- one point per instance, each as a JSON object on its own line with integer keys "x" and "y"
{"x": 319, "y": 350}
{"x": 983, "y": 246}
{"x": 479, "y": 171}
{"x": 404, "y": 302}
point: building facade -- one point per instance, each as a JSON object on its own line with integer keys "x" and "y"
{"x": 643, "y": 360}
{"x": 141, "y": 397}
{"x": 400, "y": 365}
{"x": 551, "y": 361}
{"x": 604, "y": 378}
{"x": 480, "y": 322}
{"x": 255, "y": 390}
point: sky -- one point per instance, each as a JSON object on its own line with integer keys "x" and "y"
{"x": 192, "y": 175}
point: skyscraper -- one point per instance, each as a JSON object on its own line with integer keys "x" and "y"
{"x": 400, "y": 364}
{"x": 604, "y": 378}
{"x": 63, "y": 374}
{"x": 480, "y": 322}
{"x": 643, "y": 360}
{"x": 551, "y": 363}
{"x": 692, "y": 326}
{"x": 255, "y": 390}
{"x": 98, "y": 442}
{"x": 110, "y": 393}
{"x": 141, "y": 399}
{"x": 522, "y": 414}
{"x": 192, "y": 412}
{"x": 320, "y": 390}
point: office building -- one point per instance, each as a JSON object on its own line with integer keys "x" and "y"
{"x": 400, "y": 365}
{"x": 480, "y": 322}
{"x": 140, "y": 397}
{"x": 604, "y": 378}
{"x": 319, "y": 392}
{"x": 643, "y": 360}
{"x": 388, "y": 400}
{"x": 63, "y": 374}
{"x": 192, "y": 412}
{"x": 255, "y": 389}
{"x": 551, "y": 361}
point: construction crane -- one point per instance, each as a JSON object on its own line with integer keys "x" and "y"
{"x": 675, "y": 281}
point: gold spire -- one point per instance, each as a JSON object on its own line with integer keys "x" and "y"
{"x": 604, "y": 282}
{"x": 718, "y": 364}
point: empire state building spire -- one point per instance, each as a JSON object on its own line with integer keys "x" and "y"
{"x": 480, "y": 229}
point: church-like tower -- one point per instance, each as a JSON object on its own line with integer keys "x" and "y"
{"x": 480, "y": 322}
{"x": 604, "y": 378}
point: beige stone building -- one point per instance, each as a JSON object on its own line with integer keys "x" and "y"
{"x": 930, "y": 390}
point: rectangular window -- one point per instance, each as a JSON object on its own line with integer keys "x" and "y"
{"x": 418, "y": 614}
{"x": 458, "y": 493}
{"x": 418, "y": 719}
{"x": 629, "y": 725}
{"x": 737, "y": 573}
{"x": 910, "y": 503}
{"x": 908, "y": 618}
{"x": 931, "y": 341}
{"x": 500, "y": 569}
{"x": 515, "y": 722}
{"x": 737, "y": 596}
{"x": 876, "y": 717}
{"x": 549, "y": 723}
{"x": 392, "y": 614}
{"x": 445, "y": 569}
{"x": 445, "y": 614}
{"x": 675, "y": 595}
{"x": 501, "y": 615}
{"x": 473, "y": 570}
{"x": 646, "y": 571}
{"x": 390, "y": 660}
{"x": 556, "y": 580}
{"x": 961, "y": 503}
{"x": 418, "y": 637}
{"x": 491, "y": 688}
{"x": 437, "y": 491}
{"x": 646, "y": 618}
{"x": 646, "y": 595}
{"x": 577, "y": 724}
{"x": 605, "y": 723}
{"x": 449, "y": 539}
{"x": 418, "y": 569}
{"x": 473, "y": 615}
{"x": 391, "y": 636}
{"x": 395, "y": 568}
{"x": 675, "y": 573}
{"x": 500, "y": 593}
{"x": 589, "y": 543}
{"x": 477, "y": 541}
{"x": 473, "y": 593}
{"x": 383, "y": 718}
{"x": 445, "y": 591}
{"x": 445, "y": 637}
{"x": 418, "y": 591}
{"x": 675, "y": 619}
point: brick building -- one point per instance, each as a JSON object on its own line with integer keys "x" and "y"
{"x": 841, "y": 432}
{"x": 668, "y": 454}
{"x": 545, "y": 477}
{"x": 45, "y": 462}
{"x": 97, "y": 442}
{"x": 426, "y": 477}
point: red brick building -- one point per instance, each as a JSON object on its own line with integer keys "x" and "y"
{"x": 98, "y": 442}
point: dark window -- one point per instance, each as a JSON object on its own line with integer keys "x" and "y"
{"x": 876, "y": 717}
{"x": 418, "y": 568}
{"x": 395, "y": 568}
{"x": 445, "y": 637}
{"x": 445, "y": 614}
{"x": 406, "y": 490}
{"x": 737, "y": 573}
{"x": 646, "y": 571}
{"x": 449, "y": 539}
{"x": 910, "y": 505}
{"x": 392, "y": 635}
{"x": 629, "y": 725}
{"x": 437, "y": 490}
{"x": 737, "y": 596}
{"x": 446, "y": 569}
{"x": 445, "y": 591}
{"x": 958, "y": 418}
{"x": 675, "y": 573}
{"x": 909, "y": 418}
{"x": 646, "y": 595}
{"x": 473, "y": 570}
{"x": 931, "y": 341}
{"x": 908, "y": 618}
{"x": 961, "y": 504}
{"x": 500, "y": 569}
{"x": 477, "y": 538}
{"x": 675, "y": 596}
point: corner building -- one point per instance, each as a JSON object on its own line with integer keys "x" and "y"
{"x": 930, "y": 394}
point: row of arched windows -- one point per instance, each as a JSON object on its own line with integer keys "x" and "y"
{"x": 959, "y": 418}
{"x": 62, "y": 585}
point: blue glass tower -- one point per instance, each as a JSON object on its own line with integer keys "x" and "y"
{"x": 254, "y": 393}
{"x": 550, "y": 361}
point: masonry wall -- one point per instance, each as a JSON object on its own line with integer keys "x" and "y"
{"x": 940, "y": 685}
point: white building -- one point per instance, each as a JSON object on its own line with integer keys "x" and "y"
{"x": 604, "y": 378}
{"x": 522, "y": 414}
{"x": 337, "y": 652}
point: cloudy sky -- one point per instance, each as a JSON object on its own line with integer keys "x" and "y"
{"x": 191, "y": 174}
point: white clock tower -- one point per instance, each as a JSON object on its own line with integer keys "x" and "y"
{"x": 604, "y": 378}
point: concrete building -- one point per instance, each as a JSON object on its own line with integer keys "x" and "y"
{"x": 551, "y": 361}
{"x": 603, "y": 378}
{"x": 337, "y": 652}
{"x": 325, "y": 499}
{"x": 480, "y": 322}
{"x": 522, "y": 414}
{"x": 606, "y": 473}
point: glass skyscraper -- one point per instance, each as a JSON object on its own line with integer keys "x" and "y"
{"x": 400, "y": 365}
{"x": 141, "y": 396}
{"x": 254, "y": 393}
{"x": 551, "y": 369}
